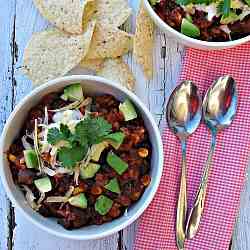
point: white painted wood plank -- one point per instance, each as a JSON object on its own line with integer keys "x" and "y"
{"x": 154, "y": 93}
{"x": 6, "y": 102}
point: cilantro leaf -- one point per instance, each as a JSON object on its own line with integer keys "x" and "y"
{"x": 55, "y": 135}
{"x": 92, "y": 130}
{"x": 183, "y": 2}
{"x": 220, "y": 6}
{"x": 70, "y": 156}
{"x": 65, "y": 130}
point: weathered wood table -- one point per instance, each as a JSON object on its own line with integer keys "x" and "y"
{"x": 18, "y": 20}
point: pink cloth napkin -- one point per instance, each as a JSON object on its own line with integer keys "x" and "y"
{"x": 157, "y": 226}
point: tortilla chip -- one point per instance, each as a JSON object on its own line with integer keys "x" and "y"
{"x": 144, "y": 42}
{"x": 92, "y": 64}
{"x": 112, "y": 12}
{"x": 52, "y": 53}
{"x": 109, "y": 42}
{"x": 66, "y": 15}
{"x": 119, "y": 72}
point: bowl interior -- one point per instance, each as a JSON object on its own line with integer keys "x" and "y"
{"x": 93, "y": 86}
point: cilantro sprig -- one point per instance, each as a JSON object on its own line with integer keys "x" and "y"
{"x": 87, "y": 132}
{"x": 55, "y": 135}
{"x": 93, "y": 130}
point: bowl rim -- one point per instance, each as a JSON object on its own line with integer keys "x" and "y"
{"x": 157, "y": 178}
{"x": 190, "y": 40}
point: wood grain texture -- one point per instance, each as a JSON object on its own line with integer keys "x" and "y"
{"x": 7, "y": 98}
{"x": 20, "y": 19}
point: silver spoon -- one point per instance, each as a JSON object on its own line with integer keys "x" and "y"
{"x": 219, "y": 109}
{"x": 183, "y": 117}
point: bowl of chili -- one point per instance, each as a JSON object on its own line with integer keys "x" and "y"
{"x": 106, "y": 163}
{"x": 203, "y": 24}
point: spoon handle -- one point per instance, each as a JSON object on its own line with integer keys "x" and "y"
{"x": 197, "y": 210}
{"x": 182, "y": 201}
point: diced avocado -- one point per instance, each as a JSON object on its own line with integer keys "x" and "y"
{"x": 31, "y": 158}
{"x": 115, "y": 139}
{"x": 232, "y": 17}
{"x": 97, "y": 150}
{"x": 128, "y": 110}
{"x": 89, "y": 171}
{"x": 113, "y": 186}
{"x": 189, "y": 29}
{"x": 103, "y": 205}
{"x": 154, "y": 2}
{"x": 78, "y": 201}
{"x": 117, "y": 163}
{"x": 236, "y": 4}
{"x": 247, "y": 2}
{"x": 43, "y": 184}
{"x": 73, "y": 93}
{"x": 189, "y": 18}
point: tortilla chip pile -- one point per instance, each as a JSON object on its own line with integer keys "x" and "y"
{"x": 87, "y": 33}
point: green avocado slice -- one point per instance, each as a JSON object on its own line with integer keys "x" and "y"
{"x": 73, "y": 93}
{"x": 117, "y": 163}
{"x": 43, "y": 184}
{"x": 113, "y": 186}
{"x": 128, "y": 110}
{"x": 31, "y": 158}
{"x": 89, "y": 171}
{"x": 103, "y": 205}
{"x": 97, "y": 150}
{"x": 79, "y": 201}
{"x": 189, "y": 29}
{"x": 115, "y": 139}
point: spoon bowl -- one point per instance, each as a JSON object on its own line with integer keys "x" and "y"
{"x": 220, "y": 103}
{"x": 184, "y": 109}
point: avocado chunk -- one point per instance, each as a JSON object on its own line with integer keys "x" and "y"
{"x": 43, "y": 184}
{"x": 89, "y": 171}
{"x": 115, "y": 139}
{"x": 97, "y": 150}
{"x": 103, "y": 205}
{"x": 232, "y": 17}
{"x": 128, "y": 110}
{"x": 79, "y": 201}
{"x": 154, "y": 2}
{"x": 117, "y": 163}
{"x": 247, "y": 2}
{"x": 73, "y": 93}
{"x": 189, "y": 29}
{"x": 113, "y": 186}
{"x": 31, "y": 158}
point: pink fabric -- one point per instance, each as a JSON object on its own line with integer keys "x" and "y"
{"x": 157, "y": 225}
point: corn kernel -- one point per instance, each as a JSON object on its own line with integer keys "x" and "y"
{"x": 143, "y": 152}
{"x": 78, "y": 190}
{"x": 146, "y": 179}
{"x": 12, "y": 157}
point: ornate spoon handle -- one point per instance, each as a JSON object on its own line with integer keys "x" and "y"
{"x": 197, "y": 210}
{"x": 182, "y": 201}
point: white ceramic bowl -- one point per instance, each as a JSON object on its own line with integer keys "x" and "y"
{"x": 92, "y": 85}
{"x": 189, "y": 41}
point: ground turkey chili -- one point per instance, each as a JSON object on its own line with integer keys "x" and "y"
{"x": 208, "y": 20}
{"x": 83, "y": 160}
